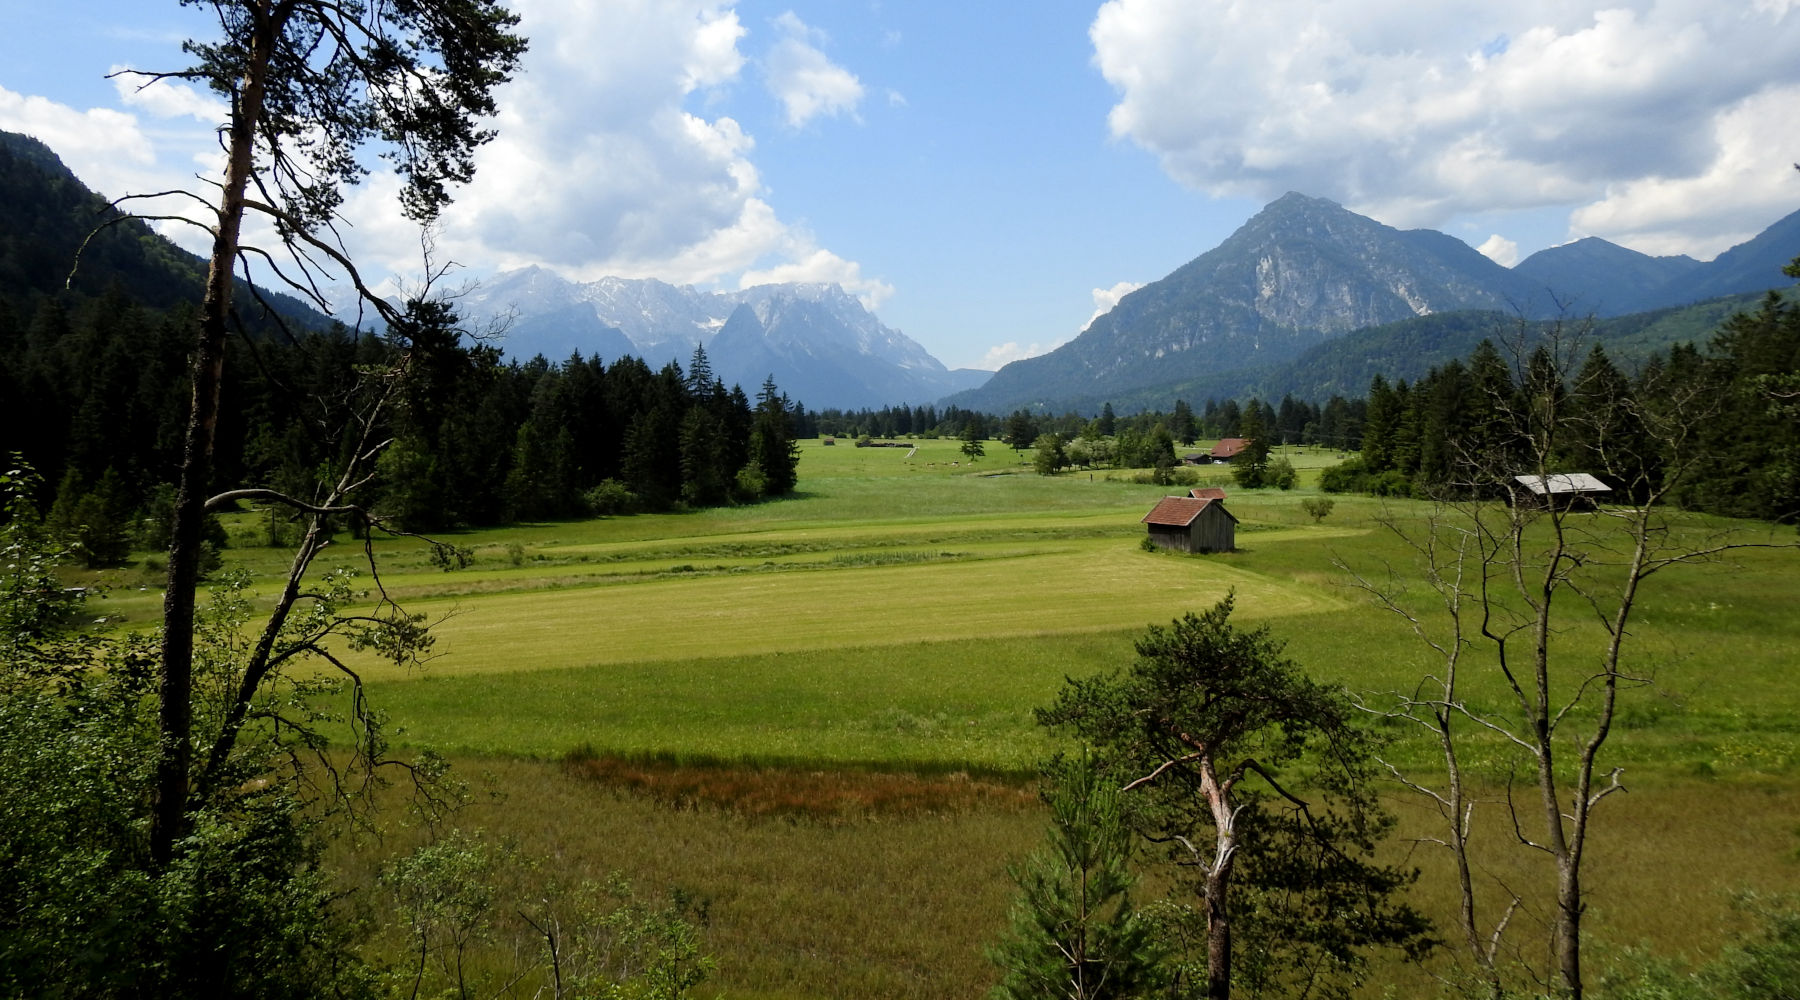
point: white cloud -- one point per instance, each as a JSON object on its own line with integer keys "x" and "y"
{"x": 807, "y": 83}
{"x": 602, "y": 168}
{"x": 165, "y": 98}
{"x": 100, "y": 145}
{"x": 1106, "y": 298}
{"x": 1500, "y": 250}
{"x": 1417, "y": 114}
{"x": 823, "y": 266}
{"x": 1001, "y": 355}
{"x": 608, "y": 161}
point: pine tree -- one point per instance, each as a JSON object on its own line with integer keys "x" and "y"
{"x": 1073, "y": 934}
{"x": 772, "y": 446}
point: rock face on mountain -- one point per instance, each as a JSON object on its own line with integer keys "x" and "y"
{"x": 822, "y": 347}
{"x": 1305, "y": 270}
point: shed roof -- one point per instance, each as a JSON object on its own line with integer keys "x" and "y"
{"x": 1179, "y": 512}
{"x": 1207, "y": 493}
{"x": 1563, "y": 483}
{"x": 1228, "y": 447}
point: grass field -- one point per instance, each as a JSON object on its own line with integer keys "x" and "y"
{"x": 906, "y": 611}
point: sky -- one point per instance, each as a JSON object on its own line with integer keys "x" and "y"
{"x": 988, "y": 176}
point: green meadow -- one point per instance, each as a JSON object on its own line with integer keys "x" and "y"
{"x": 902, "y": 615}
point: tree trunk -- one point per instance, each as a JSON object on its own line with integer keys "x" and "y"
{"x": 1568, "y": 925}
{"x": 1218, "y": 880}
{"x": 1218, "y": 933}
{"x": 175, "y": 710}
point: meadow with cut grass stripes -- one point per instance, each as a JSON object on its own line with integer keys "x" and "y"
{"x": 817, "y": 711}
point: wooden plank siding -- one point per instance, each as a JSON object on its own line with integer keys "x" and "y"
{"x": 1192, "y": 524}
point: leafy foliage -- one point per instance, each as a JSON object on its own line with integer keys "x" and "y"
{"x": 243, "y": 909}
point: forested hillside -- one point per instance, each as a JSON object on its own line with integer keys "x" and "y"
{"x": 94, "y": 393}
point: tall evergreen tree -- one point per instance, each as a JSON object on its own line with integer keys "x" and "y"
{"x": 772, "y": 445}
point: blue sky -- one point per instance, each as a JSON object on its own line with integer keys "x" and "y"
{"x": 986, "y": 175}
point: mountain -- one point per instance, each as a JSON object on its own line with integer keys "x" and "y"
{"x": 1304, "y": 272}
{"x": 1594, "y": 276}
{"x": 1753, "y": 266}
{"x": 822, "y": 347}
{"x": 1301, "y": 271}
{"x": 48, "y": 218}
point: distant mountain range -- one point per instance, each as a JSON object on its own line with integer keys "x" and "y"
{"x": 1306, "y": 297}
{"x": 817, "y": 341}
{"x": 1306, "y": 272}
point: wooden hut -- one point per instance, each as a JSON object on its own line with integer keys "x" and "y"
{"x": 1559, "y": 491}
{"x": 1226, "y": 450}
{"x": 1192, "y": 524}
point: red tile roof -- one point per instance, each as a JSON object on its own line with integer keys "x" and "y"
{"x": 1207, "y": 493}
{"x": 1228, "y": 447}
{"x": 1175, "y": 512}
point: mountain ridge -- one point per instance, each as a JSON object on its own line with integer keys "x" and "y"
{"x": 1305, "y": 271}
{"x": 818, "y": 342}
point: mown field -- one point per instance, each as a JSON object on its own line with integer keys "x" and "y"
{"x": 816, "y": 712}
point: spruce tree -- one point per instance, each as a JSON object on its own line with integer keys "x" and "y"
{"x": 1073, "y": 932}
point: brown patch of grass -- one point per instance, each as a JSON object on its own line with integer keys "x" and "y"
{"x": 793, "y": 793}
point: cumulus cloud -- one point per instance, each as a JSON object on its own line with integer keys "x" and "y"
{"x": 808, "y": 84}
{"x": 823, "y": 266}
{"x": 1001, "y": 355}
{"x": 1106, "y": 298}
{"x": 101, "y": 145}
{"x": 611, "y": 156}
{"x": 1417, "y": 114}
{"x": 607, "y": 162}
{"x": 1500, "y": 250}
{"x": 165, "y": 98}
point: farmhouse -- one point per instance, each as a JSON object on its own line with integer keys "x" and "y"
{"x": 1559, "y": 491}
{"x": 1193, "y": 524}
{"x": 1227, "y": 449}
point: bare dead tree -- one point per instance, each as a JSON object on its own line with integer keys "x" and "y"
{"x": 1515, "y": 576}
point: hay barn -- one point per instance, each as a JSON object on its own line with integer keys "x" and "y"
{"x": 1192, "y": 524}
{"x": 1559, "y": 491}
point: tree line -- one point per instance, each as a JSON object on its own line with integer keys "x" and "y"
{"x": 94, "y": 398}
{"x": 1728, "y": 413}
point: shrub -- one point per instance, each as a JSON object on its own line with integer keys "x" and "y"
{"x": 1350, "y": 476}
{"x": 1317, "y": 507}
{"x": 610, "y": 498}
{"x": 1280, "y": 474}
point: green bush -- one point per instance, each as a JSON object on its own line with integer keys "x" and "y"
{"x": 610, "y": 498}
{"x": 1349, "y": 476}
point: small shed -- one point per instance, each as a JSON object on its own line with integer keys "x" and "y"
{"x": 1207, "y": 493}
{"x": 1559, "y": 491}
{"x": 1192, "y": 524}
{"x": 1227, "y": 449}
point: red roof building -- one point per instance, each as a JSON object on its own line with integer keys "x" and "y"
{"x": 1227, "y": 449}
{"x": 1192, "y": 524}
